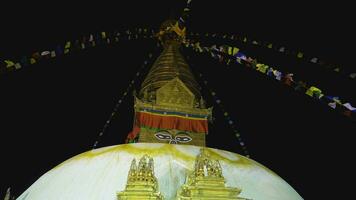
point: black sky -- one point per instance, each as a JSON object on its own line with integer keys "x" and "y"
{"x": 54, "y": 110}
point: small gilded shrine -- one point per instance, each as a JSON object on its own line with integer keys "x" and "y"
{"x": 206, "y": 181}
{"x": 141, "y": 181}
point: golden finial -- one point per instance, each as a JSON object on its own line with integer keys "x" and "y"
{"x": 169, "y": 65}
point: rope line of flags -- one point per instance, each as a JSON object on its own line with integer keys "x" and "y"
{"x": 229, "y": 54}
{"x": 283, "y": 50}
{"x": 227, "y": 117}
{"x": 185, "y": 14}
{"x": 85, "y": 42}
{"x": 121, "y": 99}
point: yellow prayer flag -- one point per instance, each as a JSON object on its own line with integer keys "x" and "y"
{"x": 235, "y": 51}
{"x": 312, "y": 90}
{"x": 9, "y": 63}
{"x": 32, "y": 61}
{"x": 67, "y": 45}
{"x": 300, "y": 55}
{"x": 103, "y": 35}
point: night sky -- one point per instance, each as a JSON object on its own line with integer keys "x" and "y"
{"x": 54, "y": 110}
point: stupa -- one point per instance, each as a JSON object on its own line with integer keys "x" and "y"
{"x": 168, "y": 141}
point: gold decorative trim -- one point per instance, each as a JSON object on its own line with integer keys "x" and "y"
{"x": 141, "y": 182}
{"x": 193, "y": 111}
{"x": 206, "y": 181}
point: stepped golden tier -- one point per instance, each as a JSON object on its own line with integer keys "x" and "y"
{"x": 168, "y": 142}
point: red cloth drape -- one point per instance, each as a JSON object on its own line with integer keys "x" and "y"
{"x": 172, "y": 122}
{"x": 133, "y": 133}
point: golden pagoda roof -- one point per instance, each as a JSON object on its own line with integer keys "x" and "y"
{"x": 170, "y": 64}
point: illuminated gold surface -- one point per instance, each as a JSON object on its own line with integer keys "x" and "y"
{"x": 175, "y": 93}
{"x": 206, "y": 182}
{"x": 169, "y": 65}
{"x": 140, "y": 105}
{"x": 170, "y": 30}
{"x": 170, "y": 87}
{"x": 141, "y": 182}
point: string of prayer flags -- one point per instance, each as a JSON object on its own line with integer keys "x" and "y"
{"x": 350, "y": 107}
{"x": 229, "y": 121}
{"x": 9, "y": 63}
{"x": 285, "y": 78}
{"x": 84, "y": 42}
{"x": 119, "y": 102}
{"x": 282, "y": 49}
{"x": 314, "y": 92}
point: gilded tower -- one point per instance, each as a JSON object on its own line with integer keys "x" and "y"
{"x": 169, "y": 107}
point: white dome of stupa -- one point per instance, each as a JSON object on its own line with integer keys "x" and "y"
{"x": 101, "y": 174}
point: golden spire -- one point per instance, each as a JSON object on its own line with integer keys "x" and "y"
{"x": 169, "y": 107}
{"x": 169, "y": 65}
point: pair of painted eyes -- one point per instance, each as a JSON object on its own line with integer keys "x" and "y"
{"x": 163, "y": 136}
{"x": 183, "y": 138}
{"x": 167, "y": 136}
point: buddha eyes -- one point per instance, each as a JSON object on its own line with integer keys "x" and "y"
{"x": 184, "y": 138}
{"x": 180, "y": 137}
{"x": 163, "y": 135}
